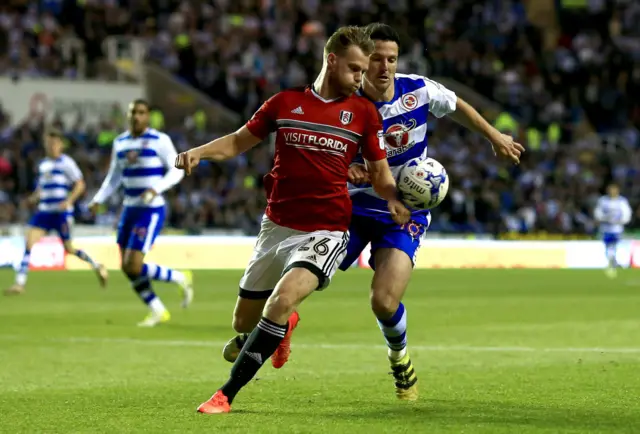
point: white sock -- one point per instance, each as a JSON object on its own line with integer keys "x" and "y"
{"x": 156, "y": 306}
{"x": 397, "y": 355}
{"x": 21, "y": 279}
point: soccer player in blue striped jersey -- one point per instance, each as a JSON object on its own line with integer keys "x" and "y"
{"x": 60, "y": 184}
{"x": 142, "y": 162}
{"x": 404, "y": 103}
{"x": 612, "y": 213}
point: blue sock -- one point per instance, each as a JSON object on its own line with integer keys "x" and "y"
{"x": 394, "y": 329}
{"x": 21, "y": 275}
{"x": 86, "y": 258}
{"x": 162, "y": 274}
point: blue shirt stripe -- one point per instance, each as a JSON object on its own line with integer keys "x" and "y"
{"x": 52, "y": 200}
{"x": 51, "y": 186}
{"x": 134, "y": 191}
{"x": 143, "y": 171}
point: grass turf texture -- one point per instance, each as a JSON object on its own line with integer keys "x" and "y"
{"x": 496, "y": 351}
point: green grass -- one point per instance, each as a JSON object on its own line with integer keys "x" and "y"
{"x": 502, "y": 351}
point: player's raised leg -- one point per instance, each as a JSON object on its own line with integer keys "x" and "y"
{"x": 64, "y": 231}
{"x": 184, "y": 279}
{"x": 392, "y": 273}
{"x": 34, "y": 234}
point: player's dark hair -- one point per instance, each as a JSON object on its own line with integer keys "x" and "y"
{"x": 143, "y": 102}
{"x": 345, "y": 37}
{"x": 382, "y": 32}
{"x": 53, "y": 132}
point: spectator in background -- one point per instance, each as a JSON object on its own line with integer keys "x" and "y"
{"x": 240, "y": 53}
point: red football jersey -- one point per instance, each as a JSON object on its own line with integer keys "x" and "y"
{"x": 316, "y": 141}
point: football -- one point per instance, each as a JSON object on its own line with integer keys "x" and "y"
{"x": 423, "y": 184}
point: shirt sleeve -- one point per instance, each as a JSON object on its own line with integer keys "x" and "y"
{"x": 72, "y": 170}
{"x": 263, "y": 121}
{"x": 167, "y": 152}
{"x": 373, "y": 148}
{"x": 442, "y": 101}
{"x": 112, "y": 181}
{"x": 626, "y": 212}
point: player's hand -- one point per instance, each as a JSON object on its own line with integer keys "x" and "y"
{"x": 148, "y": 195}
{"x": 358, "y": 174}
{"x": 65, "y": 204}
{"x": 187, "y": 161}
{"x": 505, "y": 146}
{"x": 399, "y": 213}
{"x": 94, "y": 207}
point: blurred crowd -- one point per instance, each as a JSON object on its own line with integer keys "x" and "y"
{"x": 552, "y": 92}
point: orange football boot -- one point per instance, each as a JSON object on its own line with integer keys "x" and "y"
{"x": 281, "y": 356}
{"x": 217, "y": 404}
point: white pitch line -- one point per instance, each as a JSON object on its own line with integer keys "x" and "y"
{"x": 344, "y": 346}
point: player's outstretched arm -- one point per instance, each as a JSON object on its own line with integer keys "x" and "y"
{"x": 503, "y": 145}
{"x": 110, "y": 183}
{"x": 626, "y": 213}
{"x": 385, "y": 185}
{"x": 220, "y": 149}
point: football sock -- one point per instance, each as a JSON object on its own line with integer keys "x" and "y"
{"x": 21, "y": 275}
{"x": 394, "y": 331}
{"x": 611, "y": 256}
{"x": 259, "y": 346}
{"x": 86, "y": 258}
{"x": 142, "y": 286}
{"x": 162, "y": 274}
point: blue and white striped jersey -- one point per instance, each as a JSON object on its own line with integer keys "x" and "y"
{"x": 56, "y": 178}
{"x": 404, "y": 120}
{"x": 140, "y": 163}
{"x": 613, "y": 213}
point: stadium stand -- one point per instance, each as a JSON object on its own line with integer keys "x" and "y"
{"x": 566, "y": 92}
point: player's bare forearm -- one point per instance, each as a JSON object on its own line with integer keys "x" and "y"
{"x": 228, "y": 146}
{"x": 78, "y": 189}
{"x": 382, "y": 179}
{"x": 34, "y": 197}
{"x": 469, "y": 118}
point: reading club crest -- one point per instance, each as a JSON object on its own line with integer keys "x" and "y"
{"x": 346, "y": 117}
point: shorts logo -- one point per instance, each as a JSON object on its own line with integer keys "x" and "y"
{"x": 312, "y": 258}
{"x": 140, "y": 232}
{"x": 409, "y": 101}
{"x": 413, "y": 228}
{"x": 346, "y": 117}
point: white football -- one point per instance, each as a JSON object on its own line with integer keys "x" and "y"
{"x": 423, "y": 183}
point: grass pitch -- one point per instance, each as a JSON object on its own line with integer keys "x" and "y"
{"x": 496, "y": 351}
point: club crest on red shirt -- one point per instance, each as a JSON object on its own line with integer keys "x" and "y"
{"x": 346, "y": 117}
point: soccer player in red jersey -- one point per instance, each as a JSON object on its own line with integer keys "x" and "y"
{"x": 304, "y": 235}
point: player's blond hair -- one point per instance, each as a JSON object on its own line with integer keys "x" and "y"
{"x": 345, "y": 37}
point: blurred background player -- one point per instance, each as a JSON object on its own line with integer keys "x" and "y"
{"x": 142, "y": 162}
{"x": 60, "y": 184}
{"x": 404, "y": 102}
{"x": 319, "y": 130}
{"x": 612, "y": 212}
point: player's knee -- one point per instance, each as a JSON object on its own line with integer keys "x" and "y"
{"x": 242, "y": 324}
{"x": 384, "y": 303}
{"x": 131, "y": 268}
{"x": 281, "y": 303}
